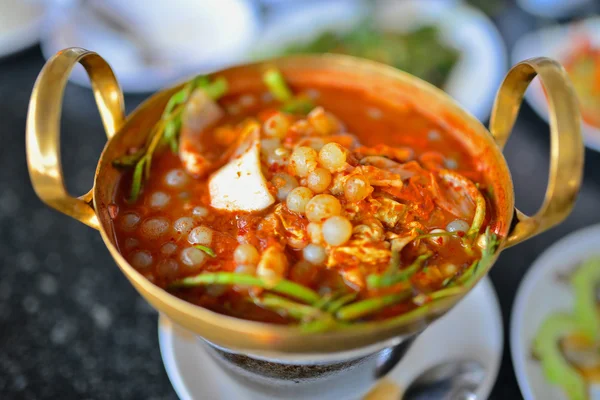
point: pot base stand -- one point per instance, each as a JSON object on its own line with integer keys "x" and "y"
{"x": 473, "y": 329}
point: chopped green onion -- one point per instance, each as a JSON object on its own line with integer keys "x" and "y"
{"x": 216, "y": 89}
{"x": 277, "y": 86}
{"x": 299, "y": 105}
{"x": 287, "y": 307}
{"x": 377, "y": 281}
{"x": 136, "y": 180}
{"x": 284, "y": 286}
{"x": 171, "y": 132}
{"x": 334, "y": 306}
{"x": 369, "y": 306}
{"x": 128, "y": 160}
{"x": 479, "y": 216}
{"x": 206, "y": 249}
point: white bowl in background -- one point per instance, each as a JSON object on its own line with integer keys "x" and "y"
{"x": 474, "y": 80}
{"x": 205, "y": 36}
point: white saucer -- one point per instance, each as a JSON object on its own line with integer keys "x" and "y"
{"x": 473, "y": 329}
{"x": 540, "y": 294}
{"x": 555, "y": 42}
{"x": 474, "y": 79}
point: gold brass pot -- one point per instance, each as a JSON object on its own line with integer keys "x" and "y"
{"x": 395, "y": 87}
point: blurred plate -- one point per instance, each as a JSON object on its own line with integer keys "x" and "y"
{"x": 555, "y": 42}
{"x": 539, "y": 295}
{"x": 20, "y": 25}
{"x": 195, "y": 375}
{"x": 475, "y": 78}
{"x": 202, "y": 44}
{"x": 553, "y": 8}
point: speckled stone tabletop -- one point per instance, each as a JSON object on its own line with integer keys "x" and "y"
{"x": 72, "y": 327}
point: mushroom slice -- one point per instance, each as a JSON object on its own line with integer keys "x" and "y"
{"x": 240, "y": 184}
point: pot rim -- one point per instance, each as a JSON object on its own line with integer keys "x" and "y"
{"x": 422, "y": 316}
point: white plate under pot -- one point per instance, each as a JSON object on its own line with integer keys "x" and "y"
{"x": 471, "y": 330}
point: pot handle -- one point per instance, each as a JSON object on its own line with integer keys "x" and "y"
{"x": 43, "y": 127}
{"x": 566, "y": 148}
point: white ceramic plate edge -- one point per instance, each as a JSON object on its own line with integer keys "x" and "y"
{"x": 167, "y": 335}
{"x": 518, "y": 349}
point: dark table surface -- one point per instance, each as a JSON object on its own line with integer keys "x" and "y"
{"x": 71, "y": 325}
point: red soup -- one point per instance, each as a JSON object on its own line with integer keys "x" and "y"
{"x": 318, "y": 207}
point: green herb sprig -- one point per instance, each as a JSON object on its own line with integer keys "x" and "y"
{"x": 277, "y": 86}
{"x": 166, "y": 130}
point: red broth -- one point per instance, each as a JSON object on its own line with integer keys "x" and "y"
{"x": 407, "y": 200}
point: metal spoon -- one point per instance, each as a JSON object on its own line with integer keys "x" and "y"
{"x": 454, "y": 380}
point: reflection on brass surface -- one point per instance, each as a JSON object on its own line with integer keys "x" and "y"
{"x": 326, "y": 70}
{"x": 566, "y": 150}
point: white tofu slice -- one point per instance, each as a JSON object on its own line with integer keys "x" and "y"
{"x": 240, "y": 184}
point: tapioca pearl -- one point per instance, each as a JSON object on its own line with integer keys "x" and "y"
{"x": 154, "y": 228}
{"x": 284, "y": 183}
{"x": 298, "y": 199}
{"x": 131, "y": 243}
{"x": 129, "y": 221}
{"x": 216, "y": 290}
{"x": 312, "y": 93}
{"x": 321, "y": 207}
{"x": 247, "y": 100}
{"x": 458, "y": 225}
{"x": 192, "y": 257}
{"x": 176, "y": 178}
{"x": 450, "y": 163}
{"x": 433, "y": 135}
{"x": 319, "y": 180}
{"x": 315, "y": 233}
{"x": 337, "y": 230}
{"x": 314, "y": 254}
{"x": 200, "y": 212}
{"x": 201, "y": 235}
{"x": 332, "y": 157}
{"x": 183, "y": 225}
{"x": 374, "y": 113}
{"x": 449, "y": 269}
{"x": 357, "y": 188}
{"x": 167, "y": 268}
{"x": 168, "y": 248}
{"x": 303, "y": 272}
{"x": 159, "y": 200}
{"x": 268, "y": 146}
{"x": 141, "y": 259}
{"x": 266, "y": 97}
{"x": 276, "y": 126}
{"x": 246, "y": 254}
{"x": 280, "y": 156}
{"x": 303, "y": 161}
